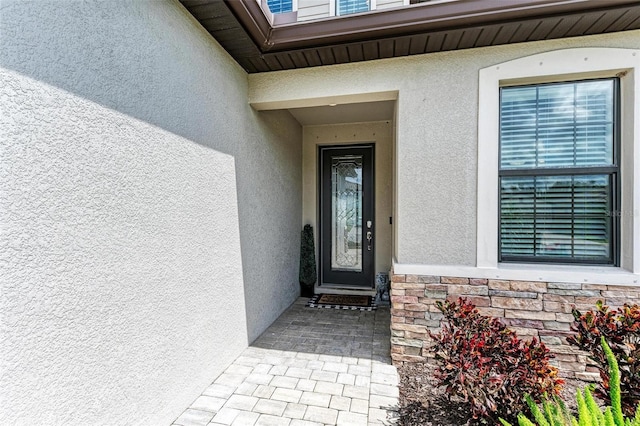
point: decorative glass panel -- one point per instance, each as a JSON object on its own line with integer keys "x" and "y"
{"x": 346, "y": 213}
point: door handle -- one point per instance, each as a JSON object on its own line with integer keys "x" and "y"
{"x": 369, "y": 238}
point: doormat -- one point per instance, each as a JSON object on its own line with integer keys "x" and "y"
{"x": 342, "y": 301}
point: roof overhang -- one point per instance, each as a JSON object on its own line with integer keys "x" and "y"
{"x": 259, "y": 43}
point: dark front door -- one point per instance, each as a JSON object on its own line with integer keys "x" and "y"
{"x": 346, "y": 216}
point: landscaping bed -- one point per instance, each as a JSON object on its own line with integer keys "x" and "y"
{"x": 422, "y": 403}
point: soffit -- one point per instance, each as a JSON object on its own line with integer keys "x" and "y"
{"x": 247, "y": 34}
{"x": 344, "y": 113}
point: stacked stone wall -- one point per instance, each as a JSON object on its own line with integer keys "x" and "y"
{"x": 541, "y": 309}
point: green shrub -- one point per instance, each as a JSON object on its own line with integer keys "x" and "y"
{"x": 555, "y": 413}
{"x": 483, "y": 363}
{"x": 621, "y": 330}
{"x": 307, "y": 273}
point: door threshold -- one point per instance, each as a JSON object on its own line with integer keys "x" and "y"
{"x": 354, "y": 291}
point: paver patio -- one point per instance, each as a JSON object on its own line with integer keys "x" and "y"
{"x": 312, "y": 366}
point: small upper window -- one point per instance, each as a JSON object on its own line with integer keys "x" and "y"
{"x": 558, "y": 174}
{"x": 280, "y": 6}
{"x": 346, "y": 7}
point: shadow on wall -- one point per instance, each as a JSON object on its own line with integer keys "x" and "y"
{"x": 156, "y": 80}
{"x": 122, "y": 58}
{"x": 149, "y": 215}
{"x": 270, "y": 216}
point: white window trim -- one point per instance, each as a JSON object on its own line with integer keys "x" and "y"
{"x": 560, "y": 65}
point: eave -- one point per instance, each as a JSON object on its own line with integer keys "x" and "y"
{"x": 258, "y": 45}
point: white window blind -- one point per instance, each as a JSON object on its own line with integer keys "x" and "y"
{"x": 280, "y": 6}
{"x": 346, "y": 7}
{"x": 558, "y": 174}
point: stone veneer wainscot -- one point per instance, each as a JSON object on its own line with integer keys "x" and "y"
{"x": 541, "y": 309}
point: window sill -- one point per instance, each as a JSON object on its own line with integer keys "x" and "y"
{"x": 577, "y": 274}
{"x": 587, "y": 274}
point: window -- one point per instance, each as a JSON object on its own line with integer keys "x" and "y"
{"x": 346, "y": 7}
{"x": 558, "y": 173}
{"x": 280, "y": 6}
{"x": 578, "y": 65}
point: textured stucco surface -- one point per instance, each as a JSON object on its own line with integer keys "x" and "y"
{"x": 149, "y": 218}
{"x": 436, "y": 151}
{"x": 269, "y": 175}
{"x": 380, "y": 134}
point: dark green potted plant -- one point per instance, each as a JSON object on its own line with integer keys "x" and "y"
{"x": 308, "y": 274}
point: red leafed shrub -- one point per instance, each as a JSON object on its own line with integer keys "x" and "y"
{"x": 621, "y": 330}
{"x": 484, "y": 364}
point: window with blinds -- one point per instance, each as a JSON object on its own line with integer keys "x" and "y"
{"x": 559, "y": 172}
{"x": 280, "y": 6}
{"x": 346, "y": 7}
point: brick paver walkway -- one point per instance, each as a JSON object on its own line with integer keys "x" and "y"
{"x": 311, "y": 367}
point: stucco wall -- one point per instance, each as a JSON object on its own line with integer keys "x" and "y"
{"x": 436, "y": 152}
{"x": 269, "y": 176}
{"x": 149, "y": 218}
{"x": 380, "y": 134}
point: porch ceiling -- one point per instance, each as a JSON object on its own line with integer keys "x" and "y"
{"x": 345, "y": 113}
{"x": 243, "y": 29}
